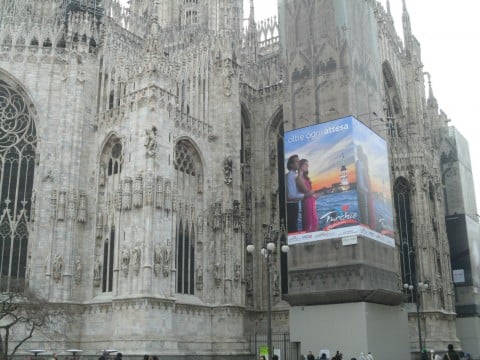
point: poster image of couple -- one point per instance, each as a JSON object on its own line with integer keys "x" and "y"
{"x": 337, "y": 182}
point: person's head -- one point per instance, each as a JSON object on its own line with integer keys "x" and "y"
{"x": 450, "y": 347}
{"x": 262, "y": 357}
{"x": 119, "y": 355}
{"x": 303, "y": 165}
{"x": 274, "y": 357}
{"x": 292, "y": 162}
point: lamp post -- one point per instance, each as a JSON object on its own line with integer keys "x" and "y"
{"x": 267, "y": 250}
{"x": 421, "y": 286}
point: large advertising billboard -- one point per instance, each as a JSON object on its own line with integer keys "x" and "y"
{"x": 337, "y": 183}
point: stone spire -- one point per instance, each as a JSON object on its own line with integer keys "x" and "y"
{"x": 252, "y": 34}
{"x": 431, "y": 101}
{"x": 407, "y": 28}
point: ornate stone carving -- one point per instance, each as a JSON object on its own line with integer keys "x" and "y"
{"x": 118, "y": 199}
{"x": 57, "y": 268}
{"x": 157, "y": 260}
{"x": 127, "y": 193}
{"x": 136, "y": 258}
{"x": 77, "y": 275}
{"x": 167, "y": 257}
{"x": 148, "y": 183}
{"x": 216, "y": 211}
{"x": 199, "y": 278}
{"x": 228, "y": 170}
{"x": 138, "y": 191}
{"x": 97, "y": 273}
{"x": 217, "y": 275}
{"x": 168, "y": 195}
{"x": 82, "y": 208}
{"x": 151, "y": 141}
{"x": 236, "y": 215}
{"x": 159, "y": 193}
{"x": 237, "y": 272}
{"x": 72, "y": 202}
{"x": 61, "y": 205}
{"x": 125, "y": 261}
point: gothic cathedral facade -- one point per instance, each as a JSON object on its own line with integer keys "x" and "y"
{"x": 141, "y": 151}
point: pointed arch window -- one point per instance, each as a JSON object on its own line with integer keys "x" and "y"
{"x": 401, "y": 193}
{"x": 17, "y": 165}
{"x": 110, "y": 168}
{"x": 189, "y": 181}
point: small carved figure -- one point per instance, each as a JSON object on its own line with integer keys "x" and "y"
{"x": 228, "y": 170}
{"x": 216, "y": 274}
{"x": 57, "y": 268}
{"x": 236, "y": 216}
{"x": 199, "y": 278}
{"x": 78, "y": 272}
{"x": 237, "y": 275}
{"x": 136, "y": 256}
{"x": 157, "y": 260}
{"x": 151, "y": 141}
{"x": 167, "y": 255}
{"x": 97, "y": 273}
{"x": 125, "y": 261}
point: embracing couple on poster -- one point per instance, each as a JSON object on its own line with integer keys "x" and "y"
{"x": 299, "y": 190}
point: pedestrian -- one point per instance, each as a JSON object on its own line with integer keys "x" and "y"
{"x": 310, "y": 356}
{"x": 274, "y": 357}
{"x": 262, "y": 357}
{"x": 451, "y": 354}
{"x": 369, "y": 356}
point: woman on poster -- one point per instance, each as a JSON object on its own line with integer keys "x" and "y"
{"x": 309, "y": 206}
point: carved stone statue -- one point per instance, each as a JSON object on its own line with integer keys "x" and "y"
{"x": 216, "y": 274}
{"x": 97, "y": 273}
{"x": 136, "y": 254}
{"x": 237, "y": 275}
{"x": 167, "y": 257}
{"x": 199, "y": 277}
{"x": 228, "y": 170}
{"x": 125, "y": 261}
{"x": 236, "y": 216}
{"x": 57, "y": 268}
{"x": 151, "y": 141}
{"x": 78, "y": 272}
{"x": 157, "y": 259}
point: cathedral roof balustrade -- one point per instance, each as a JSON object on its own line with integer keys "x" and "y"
{"x": 193, "y": 125}
{"x": 109, "y": 118}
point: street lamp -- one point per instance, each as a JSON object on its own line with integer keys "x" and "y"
{"x": 415, "y": 290}
{"x": 267, "y": 250}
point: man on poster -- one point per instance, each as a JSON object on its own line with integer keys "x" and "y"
{"x": 293, "y": 193}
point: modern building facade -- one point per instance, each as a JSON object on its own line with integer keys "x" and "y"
{"x": 142, "y": 151}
